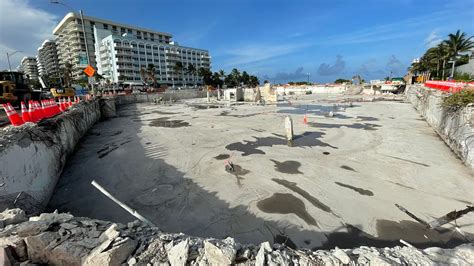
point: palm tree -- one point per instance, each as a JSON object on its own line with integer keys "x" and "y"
{"x": 221, "y": 74}
{"x": 151, "y": 71}
{"x": 178, "y": 67}
{"x": 192, "y": 70}
{"x": 456, "y": 43}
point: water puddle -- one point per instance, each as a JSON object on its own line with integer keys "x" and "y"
{"x": 164, "y": 113}
{"x": 364, "y": 126}
{"x": 348, "y": 168}
{"x": 222, "y": 157}
{"x": 401, "y": 185}
{"x": 287, "y": 167}
{"x": 326, "y": 153}
{"x": 285, "y": 203}
{"x": 307, "y": 139}
{"x": 165, "y": 122}
{"x": 361, "y": 191}
{"x": 293, "y": 187}
{"x": 204, "y": 107}
{"x": 367, "y": 118}
{"x": 410, "y": 161}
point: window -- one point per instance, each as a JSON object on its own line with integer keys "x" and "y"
{"x": 106, "y": 27}
{"x": 92, "y": 23}
{"x": 114, "y": 28}
{"x": 141, "y": 46}
{"x": 130, "y": 31}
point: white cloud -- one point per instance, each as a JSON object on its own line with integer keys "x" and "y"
{"x": 24, "y": 28}
{"x": 433, "y": 39}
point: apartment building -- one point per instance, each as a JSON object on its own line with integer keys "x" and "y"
{"x": 48, "y": 61}
{"x": 29, "y": 66}
{"x": 71, "y": 47}
{"x": 125, "y": 57}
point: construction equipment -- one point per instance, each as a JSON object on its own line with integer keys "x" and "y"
{"x": 63, "y": 92}
{"x": 14, "y": 89}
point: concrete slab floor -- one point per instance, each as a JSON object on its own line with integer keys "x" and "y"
{"x": 335, "y": 185}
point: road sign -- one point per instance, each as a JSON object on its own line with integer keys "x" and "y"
{"x": 90, "y": 71}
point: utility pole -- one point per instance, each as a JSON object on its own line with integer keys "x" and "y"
{"x": 8, "y": 59}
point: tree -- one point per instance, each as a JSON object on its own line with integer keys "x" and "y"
{"x": 192, "y": 70}
{"x": 244, "y": 78}
{"x": 179, "y": 67}
{"x": 253, "y": 81}
{"x": 206, "y": 75}
{"x": 456, "y": 43}
{"x": 151, "y": 74}
{"x": 340, "y": 81}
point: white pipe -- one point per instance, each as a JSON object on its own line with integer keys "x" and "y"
{"x": 121, "y": 204}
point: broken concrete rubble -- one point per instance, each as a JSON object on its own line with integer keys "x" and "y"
{"x": 61, "y": 243}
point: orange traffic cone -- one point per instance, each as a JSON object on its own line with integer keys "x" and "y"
{"x": 13, "y": 116}
{"x": 305, "y": 119}
{"x": 39, "y": 110}
{"x": 25, "y": 115}
{"x": 31, "y": 112}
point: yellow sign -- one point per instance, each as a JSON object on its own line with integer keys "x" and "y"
{"x": 90, "y": 71}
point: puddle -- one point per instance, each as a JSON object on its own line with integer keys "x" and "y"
{"x": 287, "y": 167}
{"x": 410, "y": 161}
{"x": 204, "y": 107}
{"x": 285, "y": 203}
{"x": 222, "y": 157}
{"x": 348, "y": 168}
{"x": 389, "y": 234}
{"x": 364, "y": 126}
{"x": 326, "y": 153}
{"x": 293, "y": 187}
{"x": 414, "y": 233}
{"x": 367, "y": 118}
{"x": 227, "y": 113}
{"x": 312, "y": 109}
{"x": 307, "y": 139}
{"x": 361, "y": 191}
{"x": 164, "y": 113}
{"x": 164, "y": 122}
{"x": 238, "y": 173}
{"x": 401, "y": 185}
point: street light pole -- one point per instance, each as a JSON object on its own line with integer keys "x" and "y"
{"x": 8, "y": 59}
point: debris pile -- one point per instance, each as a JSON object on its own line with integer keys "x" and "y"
{"x": 62, "y": 239}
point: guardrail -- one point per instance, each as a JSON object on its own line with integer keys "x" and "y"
{"x": 449, "y": 86}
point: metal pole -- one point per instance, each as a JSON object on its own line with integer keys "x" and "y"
{"x": 8, "y": 59}
{"x": 121, "y": 204}
{"x": 85, "y": 37}
{"x": 452, "y": 70}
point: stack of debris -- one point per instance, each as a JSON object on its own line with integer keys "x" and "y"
{"x": 61, "y": 239}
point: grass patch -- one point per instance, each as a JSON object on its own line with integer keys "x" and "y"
{"x": 458, "y": 100}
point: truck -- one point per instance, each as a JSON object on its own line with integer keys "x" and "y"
{"x": 14, "y": 89}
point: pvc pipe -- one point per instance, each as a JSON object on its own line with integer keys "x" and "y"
{"x": 121, "y": 204}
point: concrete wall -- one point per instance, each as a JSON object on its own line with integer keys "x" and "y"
{"x": 32, "y": 156}
{"x": 300, "y": 90}
{"x": 455, "y": 128}
{"x": 166, "y": 96}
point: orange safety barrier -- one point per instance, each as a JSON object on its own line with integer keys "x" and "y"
{"x": 448, "y": 86}
{"x": 25, "y": 115}
{"x": 13, "y": 116}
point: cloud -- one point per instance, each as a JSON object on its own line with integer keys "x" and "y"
{"x": 258, "y": 52}
{"x": 298, "y": 74}
{"x": 24, "y": 28}
{"x": 433, "y": 39}
{"x": 326, "y": 69}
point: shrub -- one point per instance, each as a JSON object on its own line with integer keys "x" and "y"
{"x": 309, "y": 92}
{"x": 458, "y": 100}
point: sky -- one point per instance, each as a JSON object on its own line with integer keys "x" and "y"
{"x": 273, "y": 39}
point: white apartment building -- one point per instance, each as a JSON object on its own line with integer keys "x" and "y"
{"x": 29, "y": 67}
{"x": 48, "y": 62}
{"x": 71, "y": 46}
{"x": 122, "y": 58}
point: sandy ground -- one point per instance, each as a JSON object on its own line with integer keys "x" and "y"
{"x": 335, "y": 185}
